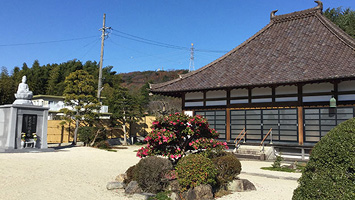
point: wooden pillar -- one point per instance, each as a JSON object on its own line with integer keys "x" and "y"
{"x": 228, "y": 125}
{"x": 183, "y": 102}
{"x": 204, "y": 98}
{"x": 300, "y": 125}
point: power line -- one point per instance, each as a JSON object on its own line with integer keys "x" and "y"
{"x": 161, "y": 44}
{"x": 45, "y": 42}
{"x": 159, "y": 56}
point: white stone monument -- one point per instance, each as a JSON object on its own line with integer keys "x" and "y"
{"x": 23, "y": 126}
{"x": 23, "y": 95}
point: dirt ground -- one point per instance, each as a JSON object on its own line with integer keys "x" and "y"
{"x": 83, "y": 172}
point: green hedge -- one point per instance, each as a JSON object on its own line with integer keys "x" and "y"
{"x": 330, "y": 172}
{"x": 194, "y": 170}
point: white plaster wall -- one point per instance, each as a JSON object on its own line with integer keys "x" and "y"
{"x": 194, "y": 95}
{"x": 317, "y": 98}
{"x": 346, "y": 97}
{"x": 216, "y": 103}
{"x": 216, "y": 94}
{"x": 261, "y": 91}
{"x": 239, "y": 101}
{"x": 346, "y": 86}
{"x": 289, "y": 89}
{"x": 239, "y": 93}
{"x": 191, "y": 104}
{"x": 320, "y": 87}
{"x": 283, "y": 99}
{"x": 261, "y": 100}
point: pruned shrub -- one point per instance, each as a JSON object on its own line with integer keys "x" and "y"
{"x": 194, "y": 170}
{"x": 103, "y": 145}
{"x": 130, "y": 173}
{"x": 174, "y": 135}
{"x": 330, "y": 172}
{"x": 228, "y": 168}
{"x": 86, "y": 134}
{"x": 149, "y": 173}
{"x": 277, "y": 162}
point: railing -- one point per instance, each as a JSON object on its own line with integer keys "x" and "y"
{"x": 237, "y": 144}
{"x": 262, "y": 142}
{"x": 239, "y": 135}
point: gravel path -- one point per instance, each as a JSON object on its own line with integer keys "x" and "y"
{"x": 83, "y": 172}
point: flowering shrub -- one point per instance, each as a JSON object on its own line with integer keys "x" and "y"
{"x": 172, "y": 136}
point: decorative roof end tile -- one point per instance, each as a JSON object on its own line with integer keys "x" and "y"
{"x": 319, "y": 6}
{"x": 272, "y": 14}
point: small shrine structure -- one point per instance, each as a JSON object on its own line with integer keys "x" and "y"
{"x": 23, "y": 126}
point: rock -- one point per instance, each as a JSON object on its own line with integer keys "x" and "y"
{"x": 201, "y": 192}
{"x": 241, "y": 185}
{"x": 174, "y": 196}
{"x": 173, "y": 185}
{"x": 115, "y": 185}
{"x": 133, "y": 188}
{"x": 121, "y": 177}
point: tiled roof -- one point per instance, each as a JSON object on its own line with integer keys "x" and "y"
{"x": 297, "y": 47}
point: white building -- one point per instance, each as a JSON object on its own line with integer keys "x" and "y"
{"x": 56, "y": 103}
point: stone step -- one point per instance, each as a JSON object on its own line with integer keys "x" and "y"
{"x": 251, "y": 156}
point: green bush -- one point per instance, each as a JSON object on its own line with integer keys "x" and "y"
{"x": 228, "y": 168}
{"x": 330, "y": 172}
{"x": 130, "y": 173}
{"x": 103, "y": 145}
{"x": 86, "y": 134}
{"x": 149, "y": 172}
{"x": 194, "y": 170}
{"x": 277, "y": 162}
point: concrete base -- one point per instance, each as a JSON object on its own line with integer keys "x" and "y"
{"x": 27, "y": 150}
{"x": 13, "y": 123}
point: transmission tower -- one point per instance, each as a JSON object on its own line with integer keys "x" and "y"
{"x": 192, "y": 65}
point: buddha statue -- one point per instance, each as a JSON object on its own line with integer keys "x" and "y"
{"x": 23, "y": 94}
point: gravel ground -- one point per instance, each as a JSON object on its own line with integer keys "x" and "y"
{"x": 83, "y": 172}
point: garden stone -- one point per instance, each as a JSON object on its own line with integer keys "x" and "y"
{"x": 201, "y": 192}
{"x": 121, "y": 177}
{"x": 173, "y": 185}
{"x": 241, "y": 185}
{"x": 115, "y": 185}
{"x": 133, "y": 187}
{"x": 174, "y": 196}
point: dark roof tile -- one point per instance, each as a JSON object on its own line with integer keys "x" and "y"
{"x": 297, "y": 47}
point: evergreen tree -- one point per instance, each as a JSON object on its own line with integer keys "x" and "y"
{"x": 7, "y": 87}
{"x": 344, "y": 18}
{"x": 80, "y": 96}
{"x": 124, "y": 107}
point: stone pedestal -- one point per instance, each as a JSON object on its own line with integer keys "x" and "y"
{"x": 21, "y": 118}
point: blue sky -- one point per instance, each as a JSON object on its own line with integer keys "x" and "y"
{"x": 212, "y": 25}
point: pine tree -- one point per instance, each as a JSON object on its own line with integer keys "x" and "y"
{"x": 80, "y": 96}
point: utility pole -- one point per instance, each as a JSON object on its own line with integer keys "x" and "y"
{"x": 103, "y": 35}
{"x": 192, "y": 65}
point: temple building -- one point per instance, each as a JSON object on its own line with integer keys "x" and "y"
{"x": 296, "y": 76}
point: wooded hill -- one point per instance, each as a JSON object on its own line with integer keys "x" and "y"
{"x": 49, "y": 80}
{"x": 134, "y": 81}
